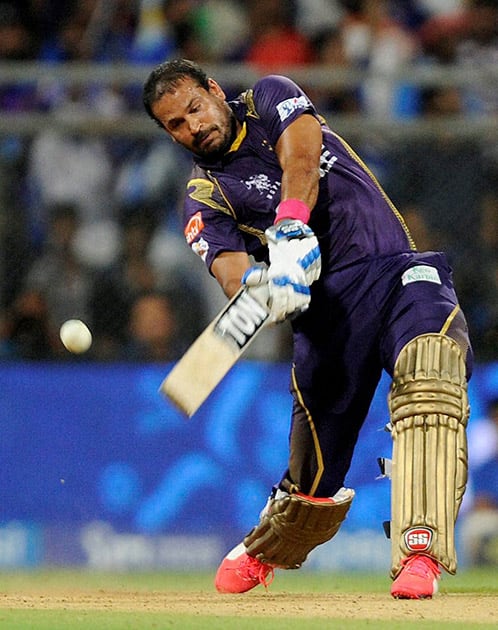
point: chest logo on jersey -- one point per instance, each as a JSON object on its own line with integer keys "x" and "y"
{"x": 290, "y": 105}
{"x": 194, "y": 227}
{"x": 263, "y": 184}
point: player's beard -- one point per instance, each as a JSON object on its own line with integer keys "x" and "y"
{"x": 227, "y": 132}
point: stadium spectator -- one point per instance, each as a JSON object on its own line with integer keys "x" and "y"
{"x": 489, "y": 247}
{"x": 486, "y": 486}
{"x": 314, "y": 17}
{"x": 117, "y": 287}
{"x": 68, "y": 42}
{"x": 373, "y": 40}
{"x": 483, "y": 436}
{"x": 153, "y": 38}
{"x": 104, "y": 176}
{"x": 153, "y": 329}
{"x": 57, "y": 274}
{"x": 68, "y": 165}
{"x": 275, "y": 42}
{"x": 331, "y": 55}
{"x": 182, "y": 19}
{"x": 26, "y": 331}
{"x": 16, "y": 42}
{"x": 437, "y": 7}
{"x": 15, "y": 248}
{"x": 441, "y": 187}
{"x": 221, "y": 26}
{"x": 149, "y": 173}
{"x": 480, "y": 525}
{"x": 440, "y": 37}
{"x": 479, "y": 50}
{"x": 84, "y": 30}
{"x": 148, "y": 263}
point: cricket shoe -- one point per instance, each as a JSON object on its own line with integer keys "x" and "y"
{"x": 240, "y": 572}
{"x": 418, "y": 579}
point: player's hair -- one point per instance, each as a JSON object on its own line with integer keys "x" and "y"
{"x": 165, "y": 77}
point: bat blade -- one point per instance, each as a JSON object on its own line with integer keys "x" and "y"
{"x": 217, "y": 349}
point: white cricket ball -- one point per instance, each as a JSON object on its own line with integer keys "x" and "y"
{"x": 76, "y": 336}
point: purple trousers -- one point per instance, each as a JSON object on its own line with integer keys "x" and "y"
{"x": 358, "y": 321}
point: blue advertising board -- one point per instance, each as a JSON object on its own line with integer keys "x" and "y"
{"x": 97, "y": 468}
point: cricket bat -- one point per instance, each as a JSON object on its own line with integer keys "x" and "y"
{"x": 217, "y": 349}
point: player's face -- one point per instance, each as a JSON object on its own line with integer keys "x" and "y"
{"x": 198, "y": 119}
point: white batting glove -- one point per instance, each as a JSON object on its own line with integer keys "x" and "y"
{"x": 282, "y": 300}
{"x": 295, "y": 263}
{"x": 256, "y": 278}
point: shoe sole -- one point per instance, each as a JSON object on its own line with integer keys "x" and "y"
{"x": 405, "y": 596}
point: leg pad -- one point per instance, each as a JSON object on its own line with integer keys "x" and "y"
{"x": 294, "y": 525}
{"x": 429, "y": 412}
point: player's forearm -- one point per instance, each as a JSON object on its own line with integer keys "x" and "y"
{"x": 228, "y": 269}
{"x": 300, "y": 181}
{"x": 298, "y": 150}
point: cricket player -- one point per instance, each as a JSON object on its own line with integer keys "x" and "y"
{"x": 277, "y": 198}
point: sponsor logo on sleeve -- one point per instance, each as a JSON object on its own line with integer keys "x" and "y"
{"x": 420, "y": 273}
{"x": 194, "y": 227}
{"x": 418, "y": 538}
{"x": 201, "y": 248}
{"x": 290, "y": 105}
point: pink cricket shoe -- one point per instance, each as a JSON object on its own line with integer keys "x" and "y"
{"x": 239, "y": 572}
{"x": 418, "y": 579}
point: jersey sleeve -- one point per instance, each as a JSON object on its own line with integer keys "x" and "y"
{"x": 279, "y": 102}
{"x": 209, "y": 225}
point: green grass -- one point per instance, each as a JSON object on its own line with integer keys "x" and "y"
{"x": 58, "y": 620}
{"x": 468, "y": 581}
{"x": 300, "y": 583}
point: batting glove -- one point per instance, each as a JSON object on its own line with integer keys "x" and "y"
{"x": 295, "y": 263}
{"x": 282, "y": 300}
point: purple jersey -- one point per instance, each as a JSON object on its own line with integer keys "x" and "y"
{"x": 375, "y": 292}
{"x": 230, "y": 202}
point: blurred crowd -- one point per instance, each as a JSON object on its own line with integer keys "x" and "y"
{"x": 89, "y": 224}
{"x": 479, "y": 523}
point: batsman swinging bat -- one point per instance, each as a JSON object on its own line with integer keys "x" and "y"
{"x": 217, "y": 348}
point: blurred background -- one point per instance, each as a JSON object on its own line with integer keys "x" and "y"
{"x": 97, "y": 469}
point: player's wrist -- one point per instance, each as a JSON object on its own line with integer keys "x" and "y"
{"x": 292, "y": 209}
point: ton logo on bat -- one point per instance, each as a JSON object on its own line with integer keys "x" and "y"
{"x": 242, "y": 319}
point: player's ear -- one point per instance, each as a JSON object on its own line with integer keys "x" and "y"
{"x": 216, "y": 89}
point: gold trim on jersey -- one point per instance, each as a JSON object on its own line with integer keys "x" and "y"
{"x": 449, "y": 320}
{"x": 395, "y": 211}
{"x": 229, "y": 210}
{"x": 248, "y": 98}
{"x": 239, "y": 139}
{"x": 316, "y": 442}
{"x": 254, "y": 232}
{"x": 203, "y": 193}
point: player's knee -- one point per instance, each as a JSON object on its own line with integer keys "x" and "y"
{"x": 429, "y": 379}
